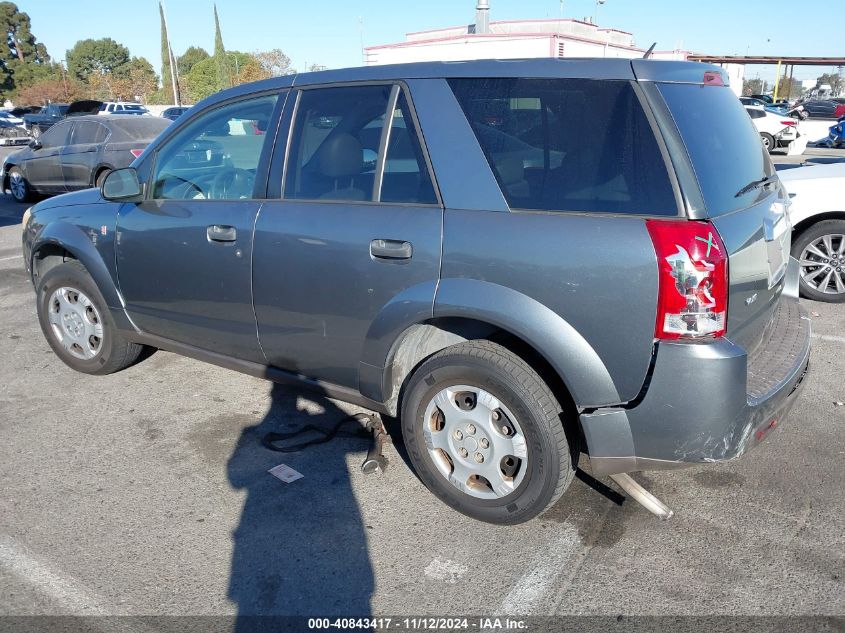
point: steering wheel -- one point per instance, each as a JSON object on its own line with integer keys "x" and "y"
{"x": 232, "y": 183}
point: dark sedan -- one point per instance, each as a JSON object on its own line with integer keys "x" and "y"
{"x": 175, "y": 112}
{"x": 77, "y": 154}
{"x": 821, "y": 108}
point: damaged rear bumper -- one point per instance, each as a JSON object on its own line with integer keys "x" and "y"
{"x": 705, "y": 403}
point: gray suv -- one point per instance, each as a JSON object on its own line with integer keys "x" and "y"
{"x": 524, "y": 261}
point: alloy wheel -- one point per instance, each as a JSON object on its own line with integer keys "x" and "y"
{"x": 823, "y": 264}
{"x": 17, "y": 185}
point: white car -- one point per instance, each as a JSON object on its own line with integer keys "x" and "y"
{"x": 776, "y": 130}
{"x": 818, "y": 234}
{"x": 122, "y": 107}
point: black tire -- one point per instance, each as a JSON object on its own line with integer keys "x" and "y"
{"x": 101, "y": 177}
{"x": 768, "y": 141}
{"x": 836, "y": 229}
{"x": 491, "y": 367}
{"x": 35, "y": 131}
{"x": 19, "y": 186}
{"x": 114, "y": 352}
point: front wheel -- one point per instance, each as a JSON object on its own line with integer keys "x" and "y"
{"x": 484, "y": 433}
{"x": 19, "y": 186}
{"x": 36, "y": 132}
{"x": 77, "y": 323}
{"x": 820, "y": 251}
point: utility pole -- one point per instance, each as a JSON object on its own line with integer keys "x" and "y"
{"x": 170, "y": 59}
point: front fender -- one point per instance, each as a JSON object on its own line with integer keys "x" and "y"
{"x": 576, "y": 362}
{"x": 81, "y": 244}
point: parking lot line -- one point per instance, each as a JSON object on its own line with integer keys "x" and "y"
{"x": 829, "y": 337}
{"x": 3, "y": 259}
{"x": 65, "y": 592}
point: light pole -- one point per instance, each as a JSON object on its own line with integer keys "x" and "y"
{"x": 62, "y": 63}
{"x": 596, "y": 12}
{"x": 237, "y": 72}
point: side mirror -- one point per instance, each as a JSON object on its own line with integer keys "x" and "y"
{"x": 122, "y": 185}
{"x": 35, "y": 144}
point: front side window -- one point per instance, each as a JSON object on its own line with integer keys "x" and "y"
{"x": 568, "y": 144}
{"x": 335, "y": 144}
{"x": 216, "y": 156}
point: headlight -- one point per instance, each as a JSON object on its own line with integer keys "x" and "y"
{"x": 26, "y": 215}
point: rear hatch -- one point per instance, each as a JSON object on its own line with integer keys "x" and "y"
{"x": 739, "y": 193}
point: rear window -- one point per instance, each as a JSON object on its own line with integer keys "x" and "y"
{"x": 568, "y": 144}
{"x": 722, "y": 142}
{"x": 141, "y": 128}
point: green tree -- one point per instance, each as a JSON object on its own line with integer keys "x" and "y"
{"x": 224, "y": 75}
{"x": 274, "y": 62}
{"x": 22, "y": 60}
{"x": 202, "y": 80}
{"x": 190, "y": 58}
{"x": 753, "y": 87}
{"x": 102, "y": 56}
{"x": 166, "y": 83}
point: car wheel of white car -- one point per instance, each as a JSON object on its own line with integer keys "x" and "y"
{"x": 768, "y": 140}
{"x": 820, "y": 251}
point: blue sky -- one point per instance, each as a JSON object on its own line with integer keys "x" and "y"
{"x": 328, "y": 32}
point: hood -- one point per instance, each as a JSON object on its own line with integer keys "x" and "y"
{"x": 812, "y": 172}
{"x": 84, "y": 197}
{"x": 85, "y": 106}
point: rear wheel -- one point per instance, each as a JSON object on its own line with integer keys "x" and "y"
{"x": 77, "y": 323}
{"x": 820, "y": 251}
{"x": 19, "y": 186}
{"x": 101, "y": 178}
{"x": 484, "y": 433}
{"x": 768, "y": 141}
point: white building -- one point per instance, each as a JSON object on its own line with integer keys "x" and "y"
{"x": 519, "y": 39}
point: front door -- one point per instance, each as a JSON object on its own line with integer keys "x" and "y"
{"x": 358, "y": 225}
{"x": 183, "y": 255}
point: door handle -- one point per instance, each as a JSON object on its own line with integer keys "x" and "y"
{"x": 391, "y": 249}
{"x": 221, "y": 233}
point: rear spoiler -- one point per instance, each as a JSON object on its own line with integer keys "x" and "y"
{"x": 678, "y": 72}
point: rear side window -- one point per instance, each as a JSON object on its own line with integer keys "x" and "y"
{"x": 335, "y": 145}
{"x": 88, "y": 132}
{"x": 722, "y": 143}
{"x": 568, "y": 144}
{"x": 756, "y": 114}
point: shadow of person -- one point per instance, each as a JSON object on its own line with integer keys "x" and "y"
{"x": 300, "y": 548}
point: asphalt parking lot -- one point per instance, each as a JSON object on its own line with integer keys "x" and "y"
{"x": 147, "y": 493}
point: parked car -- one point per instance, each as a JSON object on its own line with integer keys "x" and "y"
{"x": 631, "y": 290}
{"x": 821, "y": 108}
{"x": 776, "y": 130}
{"x": 77, "y": 154}
{"x": 12, "y": 134}
{"x": 818, "y": 239}
{"x": 764, "y": 98}
{"x": 751, "y": 101}
{"x": 175, "y": 112}
{"x": 39, "y": 122}
{"x": 8, "y": 117}
{"x": 123, "y": 107}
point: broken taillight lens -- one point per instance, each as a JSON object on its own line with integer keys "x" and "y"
{"x": 693, "y": 279}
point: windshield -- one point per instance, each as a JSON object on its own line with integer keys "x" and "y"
{"x": 722, "y": 142}
{"x": 134, "y": 107}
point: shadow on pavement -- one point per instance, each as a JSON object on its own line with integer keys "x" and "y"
{"x": 300, "y": 548}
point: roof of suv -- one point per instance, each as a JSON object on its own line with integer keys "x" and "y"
{"x": 583, "y": 68}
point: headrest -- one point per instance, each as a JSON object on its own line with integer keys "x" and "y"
{"x": 341, "y": 155}
{"x": 511, "y": 170}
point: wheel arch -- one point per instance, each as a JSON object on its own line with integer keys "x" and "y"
{"x": 99, "y": 169}
{"x": 809, "y": 221}
{"x": 59, "y": 242}
{"x": 469, "y": 309}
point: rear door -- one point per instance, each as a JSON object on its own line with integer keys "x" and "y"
{"x": 79, "y": 156}
{"x": 741, "y": 195}
{"x": 357, "y": 227}
{"x": 44, "y": 169}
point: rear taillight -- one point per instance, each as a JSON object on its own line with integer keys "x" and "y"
{"x": 693, "y": 273}
{"x": 789, "y": 122}
{"x": 136, "y": 152}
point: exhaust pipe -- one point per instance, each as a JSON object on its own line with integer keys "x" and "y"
{"x": 642, "y": 496}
